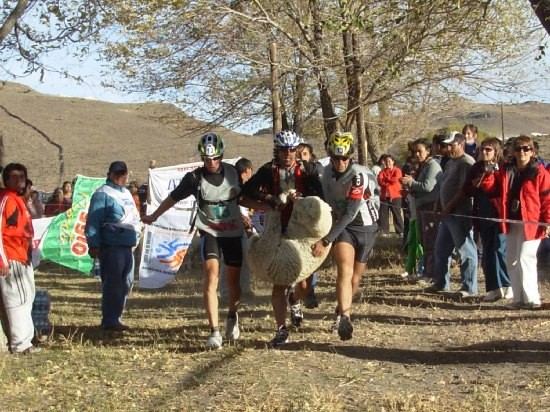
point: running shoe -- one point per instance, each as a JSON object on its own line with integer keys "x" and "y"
{"x": 296, "y": 315}
{"x": 232, "y": 331}
{"x": 214, "y": 341}
{"x": 345, "y": 328}
{"x": 493, "y": 295}
{"x": 281, "y": 337}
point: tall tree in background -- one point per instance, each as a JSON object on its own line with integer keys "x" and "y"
{"x": 338, "y": 59}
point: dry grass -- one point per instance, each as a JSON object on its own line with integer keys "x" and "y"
{"x": 410, "y": 352}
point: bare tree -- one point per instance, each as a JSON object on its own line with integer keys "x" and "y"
{"x": 30, "y": 29}
{"x": 338, "y": 59}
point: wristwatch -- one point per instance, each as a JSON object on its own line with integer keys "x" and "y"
{"x": 325, "y": 242}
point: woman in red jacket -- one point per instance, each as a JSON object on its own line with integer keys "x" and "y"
{"x": 56, "y": 205}
{"x": 522, "y": 188}
{"x": 390, "y": 196}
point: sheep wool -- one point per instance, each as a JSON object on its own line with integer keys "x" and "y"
{"x": 284, "y": 259}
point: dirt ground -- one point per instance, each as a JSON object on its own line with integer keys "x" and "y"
{"x": 410, "y": 352}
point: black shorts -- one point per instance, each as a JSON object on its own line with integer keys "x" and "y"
{"x": 229, "y": 247}
{"x": 362, "y": 242}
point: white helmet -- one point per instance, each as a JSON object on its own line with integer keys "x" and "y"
{"x": 286, "y": 139}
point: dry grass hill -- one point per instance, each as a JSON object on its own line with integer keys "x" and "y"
{"x": 91, "y": 134}
{"x": 521, "y": 118}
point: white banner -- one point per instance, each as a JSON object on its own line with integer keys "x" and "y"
{"x": 163, "y": 180}
{"x": 165, "y": 243}
{"x": 39, "y": 226}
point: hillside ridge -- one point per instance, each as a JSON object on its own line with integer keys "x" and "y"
{"x": 59, "y": 137}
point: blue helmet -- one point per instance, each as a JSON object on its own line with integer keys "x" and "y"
{"x": 286, "y": 139}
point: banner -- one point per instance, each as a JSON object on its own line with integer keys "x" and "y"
{"x": 165, "y": 243}
{"x": 39, "y": 226}
{"x": 64, "y": 242}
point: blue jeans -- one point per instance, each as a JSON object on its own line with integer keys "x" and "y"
{"x": 456, "y": 232}
{"x": 493, "y": 260}
{"x": 117, "y": 276}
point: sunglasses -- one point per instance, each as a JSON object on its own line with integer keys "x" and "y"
{"x": 487, "y": 149}
{"x": 287, "y": 149}
{"x": 340, "y": 158}
{"x": 524, "y": 149}
{"x": 213, "y": 159}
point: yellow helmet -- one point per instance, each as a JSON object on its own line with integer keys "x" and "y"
{"x": 340, "y": 144}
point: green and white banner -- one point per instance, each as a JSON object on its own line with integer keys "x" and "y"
{"x": 64, "y": 241}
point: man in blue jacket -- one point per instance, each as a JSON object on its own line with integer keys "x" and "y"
{"x": 113, "y": 229}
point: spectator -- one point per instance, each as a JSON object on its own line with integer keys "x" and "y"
{"x": 508, "y": 150}
{"x": 305, "y": 154}
{"x": 377, "y": 168}
{"x": 390, "y": 196}
{"x": 133, "y": 188}
{"x": 407, "y": 168}
{"x": 493, "y": 240}
{"x": 455, "y": 230}
{"x": 470, "y": 140}
{"x": 414, "y": 247}
{"x": 32, "y": 201}
{"x": 68, "y": 194}
{"x": 56, "y": 205}
{"x": 142, "y": 193}
{"x": 522, "y": 188}
{"x": 439, "y": 149}
{"x": 16, "y": 273}
{"x": 425, "y": 190}
{"x": 35, "y": 205}
{"x": 538, "y": 156}
{"x": 112, "y": 231}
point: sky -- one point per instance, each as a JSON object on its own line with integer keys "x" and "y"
{"x": 90, "y": 87}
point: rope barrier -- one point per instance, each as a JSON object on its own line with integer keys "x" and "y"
{"x": 491, "y": 219}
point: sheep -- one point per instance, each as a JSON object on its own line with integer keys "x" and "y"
{"x": 284, "y": 259}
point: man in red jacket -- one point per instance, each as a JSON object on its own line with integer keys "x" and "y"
{"x": 16, "y": 272}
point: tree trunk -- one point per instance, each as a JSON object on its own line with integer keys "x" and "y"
{"x": 353, "y": 79}
{"x": 298, "y": 109}
{"x": 10, "y": 21}
{"x": 275, "y": 98}
{"x": 542, "y": 10}
{"x": 361, "y": 140}
{"x": 327, "y": 106}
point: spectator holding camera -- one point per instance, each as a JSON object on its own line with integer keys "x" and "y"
{"x": 493, "y": 240}
{"x": 522, "y": 189}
